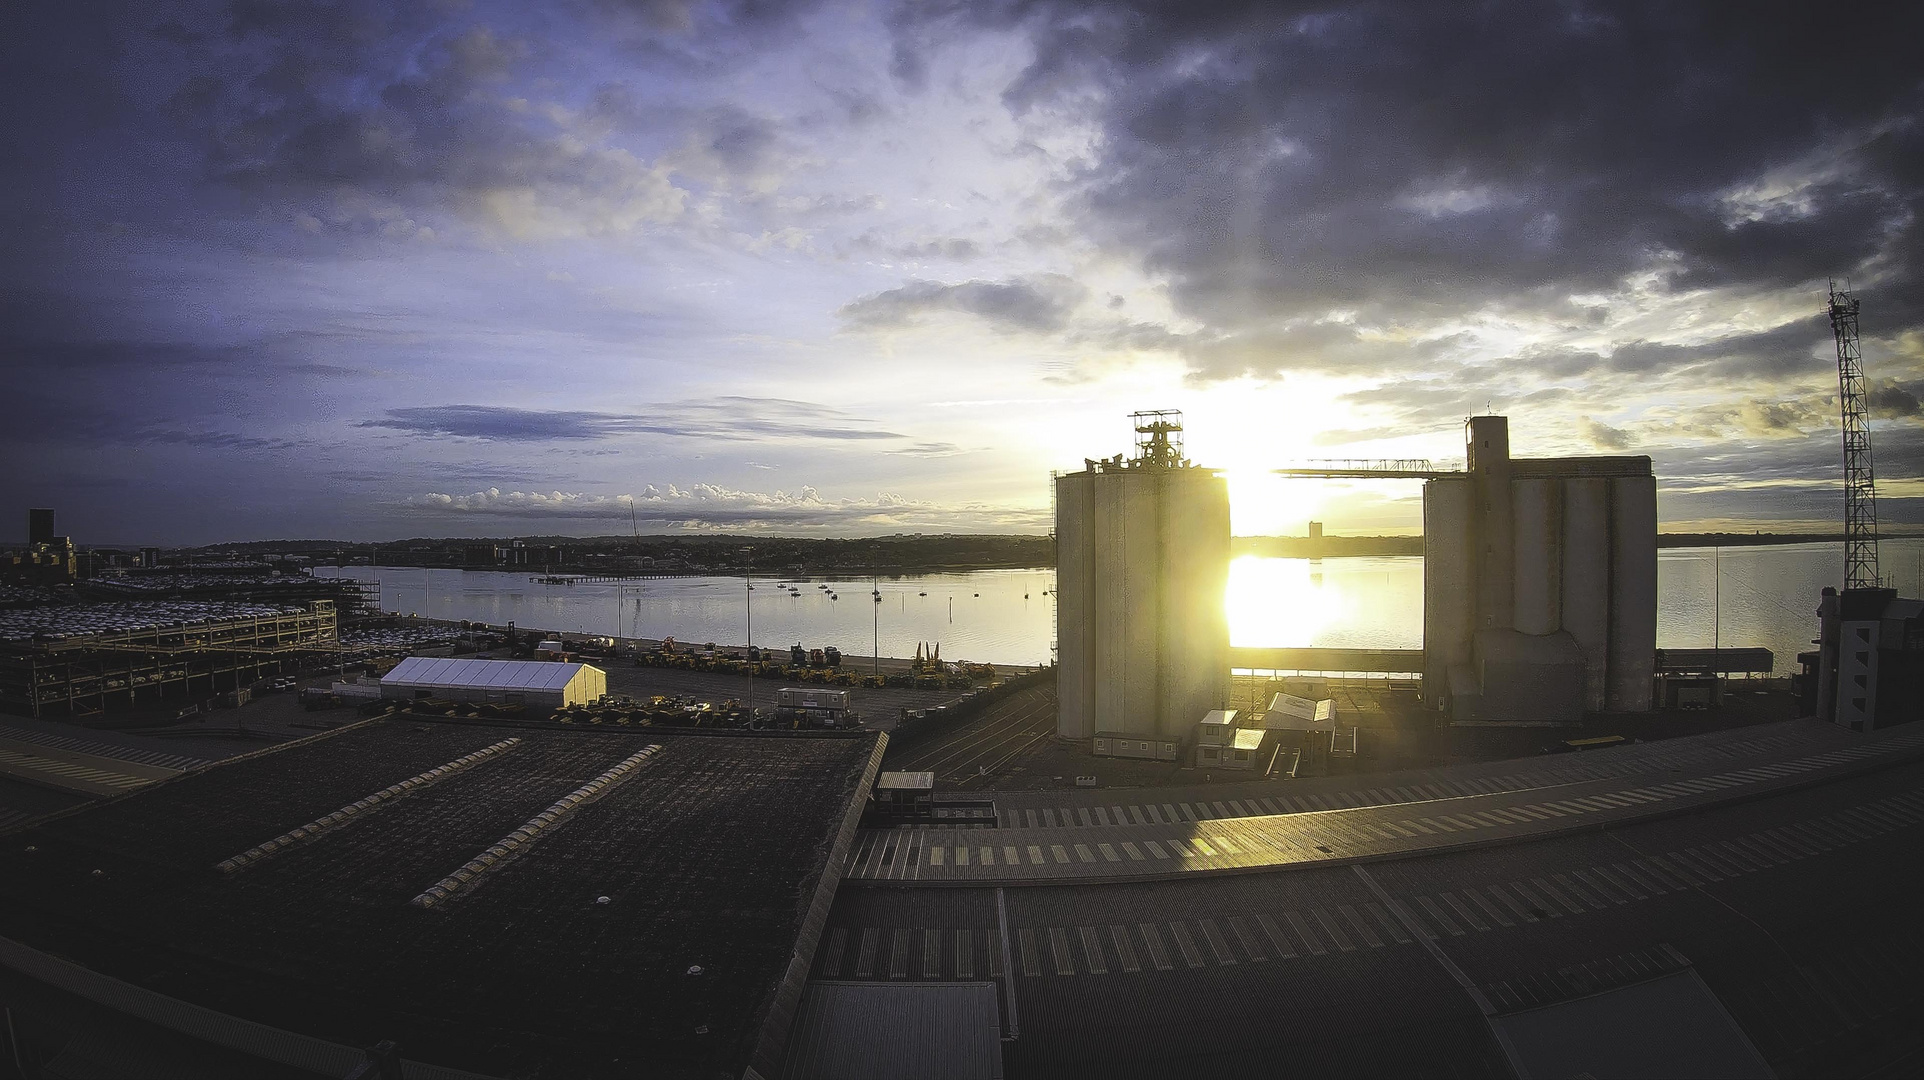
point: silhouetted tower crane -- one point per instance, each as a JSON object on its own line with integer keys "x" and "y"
{"x": 1860, "y": 487}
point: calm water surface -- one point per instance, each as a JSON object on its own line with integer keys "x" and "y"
{"x": 1742, "y": 596}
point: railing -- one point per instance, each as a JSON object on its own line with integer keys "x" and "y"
{"x": 1420, "y": 468}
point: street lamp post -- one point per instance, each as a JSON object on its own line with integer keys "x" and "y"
{"x": 748, "y": 594}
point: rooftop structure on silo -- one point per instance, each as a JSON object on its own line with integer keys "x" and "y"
{"x": 1142, "y": 561}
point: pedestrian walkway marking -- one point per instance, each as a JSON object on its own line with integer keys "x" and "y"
{"x": 1157, "y": 954}
{"x": 1092, "y": 951}
{"x": 1187, "y": 944}
{"x": 1125, "y": 949}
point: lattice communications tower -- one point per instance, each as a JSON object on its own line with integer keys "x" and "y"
{"x": 1860, "y": 488}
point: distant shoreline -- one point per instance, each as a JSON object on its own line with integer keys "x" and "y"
{"x": 884, "y": 556}
{"x": 1337, "y": 547}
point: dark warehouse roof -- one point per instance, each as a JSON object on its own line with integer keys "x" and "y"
{"x": 1793, "y": 911}
{"x": 711, "y": 854}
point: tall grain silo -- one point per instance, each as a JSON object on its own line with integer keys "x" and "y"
{"x": 1142, "y": 563}
{"x": 1449, "y": 581}
{"x": 1553, "y": 566}
{"x": 1586, "y": 580}
{"x": 1633, "y": 593}
{"x": 1537, "y": 574}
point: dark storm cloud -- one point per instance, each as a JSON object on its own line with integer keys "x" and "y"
{"x": 727, "y": 419}
{"x": 1416, "y": 161}
{"x": 1041, "y": 303}
{"x": 121, "y": 392}
{"x": 328, "y": 104}
{"x": 1893, "y": 401}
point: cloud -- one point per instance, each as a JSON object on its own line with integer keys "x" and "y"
{"x": 931, "y": 450}
{"x": 1039, "y": 304}
{"x": 1277, "y": 164}
{"x": 1602, "y": 435}
{"x": 948, "y": 247}
{"x": 729, "y": 419}
{"x": 715, "y": 507}
{"x": 358, "y": 106}
{"x": 1892, "y": 401}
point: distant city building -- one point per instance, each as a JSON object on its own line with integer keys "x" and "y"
{"x": 39, "y": 526}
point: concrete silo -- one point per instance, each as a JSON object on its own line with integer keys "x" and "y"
{"x": 1586, "y": 580}
{"x": 1537, "y": 574}
{"x": 1449, "y": 581}
{"x": 1142, "y": 563}
{"x": 1633, "y": 592}
{"x": 1553, "y": 566}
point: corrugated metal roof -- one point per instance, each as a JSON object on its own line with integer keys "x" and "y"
{"x": 435, "y": 671}
{"x": 884, "y": 1031}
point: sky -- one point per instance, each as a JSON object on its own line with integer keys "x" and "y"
{"x": 368, "y": 271}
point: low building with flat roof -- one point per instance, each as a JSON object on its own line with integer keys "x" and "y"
{"x": 523, "y": 682}
{"x": 508, "y": 901}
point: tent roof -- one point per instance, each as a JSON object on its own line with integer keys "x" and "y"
{"x": 431, "y": 671}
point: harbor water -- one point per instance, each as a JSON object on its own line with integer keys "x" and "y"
{"x": 1740, "y": 596}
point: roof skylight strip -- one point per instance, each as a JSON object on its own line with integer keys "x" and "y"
{"x": 373, "y": 802}
{"x": 511, "y": 845}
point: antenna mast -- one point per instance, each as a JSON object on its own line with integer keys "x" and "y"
{"x": 1860, "y": 488}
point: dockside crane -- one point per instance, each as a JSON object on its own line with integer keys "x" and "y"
{"x": 1860, "y": 481}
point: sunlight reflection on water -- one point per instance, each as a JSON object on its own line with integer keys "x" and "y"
{"x": 1767, "y": 597}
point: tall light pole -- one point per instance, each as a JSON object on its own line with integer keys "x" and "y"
{"x": 748, "y": 593}
{"x": 875, "y": 630}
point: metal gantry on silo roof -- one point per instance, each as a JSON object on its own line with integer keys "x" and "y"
{"x": 1159, "y": 438}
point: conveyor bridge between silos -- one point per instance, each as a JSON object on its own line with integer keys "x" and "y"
{"x": 1349, "y": 661}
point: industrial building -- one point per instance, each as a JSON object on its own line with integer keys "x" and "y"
{"x": 1669, "y": 908}
{"x": 1142, "y": 562}
{"x": 1539, "y": 584}
{"x": 1869, "y": 660}
{"x": 513, "y": 682}
{"x": 1868, "y": 670}
{"x": 88, "y": 659}
{"x": 656, "y": 912}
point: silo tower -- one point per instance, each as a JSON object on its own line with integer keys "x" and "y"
{"x": 1142, "y": 563}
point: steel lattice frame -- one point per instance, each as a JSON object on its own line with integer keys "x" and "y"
{"x": 1860, "y": 487}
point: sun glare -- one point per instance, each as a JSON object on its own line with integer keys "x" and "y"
{"x": 1278, "y": 603}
